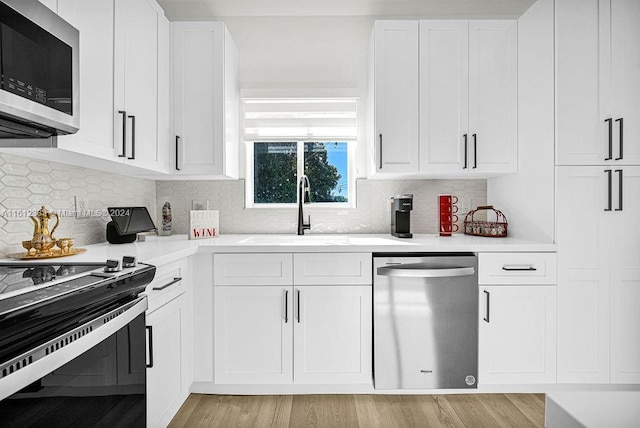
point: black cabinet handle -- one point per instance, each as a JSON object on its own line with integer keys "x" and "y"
{"x": 620, "y": 193}
{"x": 518, "y": 269}
{"x": 488, "y": 303}
{"x": 380, "y": 151}
{"x": 609, "y": 202}
{"x": 124, "y": 133}
{"x": 286, "y": 306}
{"x": 150, "y": 335}
{"x": 133, "y": 137}
{"x": 610, "y": 122}
{"x": 620, "y": 155}
{"x": 298, "y": 305}
{"x": 177, "y": 151}
{"x": 475, "y": 151}
{"x": 178, "y": 279}
{"x": 465, "y": 151}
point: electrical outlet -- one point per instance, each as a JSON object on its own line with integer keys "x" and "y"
{"x": 82, "y": 207}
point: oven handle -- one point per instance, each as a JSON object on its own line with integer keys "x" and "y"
{"x": 423, "y": 270}
{"x": 52, "y": 355}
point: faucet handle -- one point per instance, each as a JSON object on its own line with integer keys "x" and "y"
{"x": 307, "y": 225}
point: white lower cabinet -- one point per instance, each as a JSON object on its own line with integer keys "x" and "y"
{"x": 283, "y": 335}
{"x": 332, "y": 334}
{"x": 517, "y": 325}
{"x": 275, "y": 331}
{"x": 164, "y": 370}
{"x": 517, "y": 334}
{"x": 169, "y": 341}
{"x": 253, "y": 334}
{"x": 599, "y": 274}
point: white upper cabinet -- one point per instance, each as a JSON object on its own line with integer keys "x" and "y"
{"x": 468, "y": 96}
{"x": 94, "y": 20}
{"x": 137, "y": 26}
{"x": 444, "y": 94}
{"x": 124, "y": 91}
{"x": 625, "y": 72}
{"x": 461, "y": 100}
{"x": 206, "y": 97}
{"x": 493, "y": 96}
{"x": 394, "y": 86}
{"x": 597, "y": 89}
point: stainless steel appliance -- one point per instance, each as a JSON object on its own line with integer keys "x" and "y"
{"x": 425, "y": 321}
{"x": 73, "y": 344}
{"x": 39, "y": 89}
{"x": 401, "y": 206}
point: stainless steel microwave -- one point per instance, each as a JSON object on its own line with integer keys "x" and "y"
{"x": 39, "y": 86}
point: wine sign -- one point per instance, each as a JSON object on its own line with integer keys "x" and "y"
{"x": 204, "y": 224}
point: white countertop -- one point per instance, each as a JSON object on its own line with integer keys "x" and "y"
{"x": 162, "y": 249}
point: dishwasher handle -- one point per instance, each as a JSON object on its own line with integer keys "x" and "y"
{"x": 421, "y": 270}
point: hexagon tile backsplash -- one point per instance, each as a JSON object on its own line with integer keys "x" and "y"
{"x": 27, "y": 184}
{"x": 371, "y": 214}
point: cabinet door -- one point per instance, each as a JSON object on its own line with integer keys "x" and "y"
{"x": 198, "y": 61}
{"x": 396, "y": 96}
{"x": 517, "y": 334}
{"x": 253, "y": 335}
{"x": 583, "y": 274}
{"x": 625, "y": 66}
{"x": 164, "y": 378}
{"x": 624, "y": 227}
{"x": 333, "y": 334}
{"x": 583, "y": 83}
{"x": 444, "y": 95}
{"x": 493, "y": 96}
{"x": 136, "y": 81}
{"x": 94, "y": 20}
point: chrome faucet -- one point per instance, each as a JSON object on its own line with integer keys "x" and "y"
{"x": 303, "y": 197}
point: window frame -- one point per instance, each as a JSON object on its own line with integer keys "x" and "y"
{"x": 351, "y": 181}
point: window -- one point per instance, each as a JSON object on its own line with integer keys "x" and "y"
{"x": 287, "y": 138}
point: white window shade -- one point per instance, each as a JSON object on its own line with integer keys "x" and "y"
{"x": 300, "y": 119}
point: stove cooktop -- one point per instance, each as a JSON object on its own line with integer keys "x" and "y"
{"x": 17, "y": 278}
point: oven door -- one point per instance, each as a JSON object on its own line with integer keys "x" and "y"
{"x": 104, "y": 385}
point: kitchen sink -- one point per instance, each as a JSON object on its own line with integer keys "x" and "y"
{"x": 315, "y": 240}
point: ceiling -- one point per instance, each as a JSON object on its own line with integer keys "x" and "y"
{"x": 208, "y": 9}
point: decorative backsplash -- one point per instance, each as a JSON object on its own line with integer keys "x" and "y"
{"x": 27, "y": 184}
{"x": 371, "y": 214}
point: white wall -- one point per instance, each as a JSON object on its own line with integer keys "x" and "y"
{"x": 527, "y": 198}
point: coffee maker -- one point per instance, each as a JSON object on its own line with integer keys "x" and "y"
{"x": 401, "y": 206}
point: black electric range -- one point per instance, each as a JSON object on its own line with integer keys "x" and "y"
{"x": 39, "y": 301}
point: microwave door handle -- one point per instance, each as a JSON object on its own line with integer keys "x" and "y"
{"x": 420, "y": 271}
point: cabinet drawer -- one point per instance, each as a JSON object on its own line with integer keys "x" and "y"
{"x": 168, "y": 284}
{"x": 253, "y": 269}
{"x": 517, "y": 268}
{"x": 332, "y": 268}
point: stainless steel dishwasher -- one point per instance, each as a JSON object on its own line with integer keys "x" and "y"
{"x": 425, "y": 321}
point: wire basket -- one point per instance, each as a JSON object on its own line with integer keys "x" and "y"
{"x": 492, "y": 229}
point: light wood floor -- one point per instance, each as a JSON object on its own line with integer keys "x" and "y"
{"x": 388, "y": 411}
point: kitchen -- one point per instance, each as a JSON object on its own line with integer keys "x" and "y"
{"x": 337, "y": 64}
